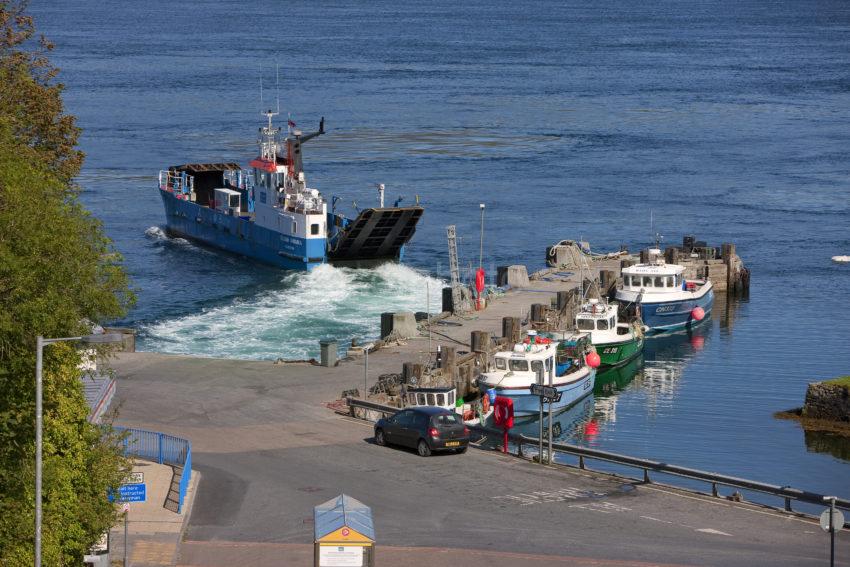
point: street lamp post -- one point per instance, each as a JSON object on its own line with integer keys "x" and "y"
{"x": 103, "y": 338}
{"x": 366, "y": 369}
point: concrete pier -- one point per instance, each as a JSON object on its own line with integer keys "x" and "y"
{"x": 269, "y": 447}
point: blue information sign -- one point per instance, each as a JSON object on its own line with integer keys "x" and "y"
{"x": 132, "y": 493}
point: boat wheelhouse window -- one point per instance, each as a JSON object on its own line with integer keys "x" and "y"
{"x": 627, "y": 280}
{"x": 294, "y": 227}
{"x": 500, "y": 364}
{"x": 548, "y": 364}
{"x": 314, "y": 228}
{"x": 430, "y": 399}
{"x": 421, "y": 399}
{"x": 441, "y": 399}
{"x": 585, "y": 324}
{"x": 670, "y": 280}
{"x": 411, "y": 398}
{"x": 602, "y": 324}
{"x": 519, "y": 365}
{"x": 452, "y": 398}
{"x": 647, "y": 281}
{"x": 536, "y": 366}
{"x": 612, "y": 323}
{"x": 659, "y": 281}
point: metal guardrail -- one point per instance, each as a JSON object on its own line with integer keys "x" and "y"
{"x": 162, "y": 449}
{"x": 787, "y": 493}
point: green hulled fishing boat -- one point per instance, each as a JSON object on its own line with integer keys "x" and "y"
{"x": 616, "y": 343}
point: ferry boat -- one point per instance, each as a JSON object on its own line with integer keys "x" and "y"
{"x": 268, "y": 212}
{"x": 555, "y": 360}
{"x": 616, "y": 343}
{"x": 665, "y": 300}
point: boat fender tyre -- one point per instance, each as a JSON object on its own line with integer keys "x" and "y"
{"x": 423, "y": 449}
{"x": 379, "y": 438}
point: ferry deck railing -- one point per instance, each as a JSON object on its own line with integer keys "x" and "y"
{"x": 584, "y": 454}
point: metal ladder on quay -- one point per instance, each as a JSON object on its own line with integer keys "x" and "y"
{"x": 457, "y": 293}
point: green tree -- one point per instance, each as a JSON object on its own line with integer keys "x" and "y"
{"x": 58, "y": 271}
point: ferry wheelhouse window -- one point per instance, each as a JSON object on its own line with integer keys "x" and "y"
{"x": 421, "y": 399}
{"x": 659, "y": 282}
{"x": 430, "y": 399}
{"x": 519, "y": 365}
{"x": 602, "y": 324}
{"x": 411, "y": 398}
{"x": 500, "y": 364}
{"x": 647, "y": 281}
{"x": 441, "y": 399}
{"x": 314, "y": 228}
{"x": 585, "y": 324}
{"x": 670, "y": 280}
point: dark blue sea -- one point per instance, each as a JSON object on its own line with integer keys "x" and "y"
{"x": 729, "y": 120}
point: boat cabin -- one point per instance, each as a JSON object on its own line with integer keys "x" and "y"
{"x": 439, "y": 397}
{"x": 601, "y": 320}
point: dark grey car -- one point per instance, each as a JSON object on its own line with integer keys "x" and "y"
{"x": 425, "y": 429}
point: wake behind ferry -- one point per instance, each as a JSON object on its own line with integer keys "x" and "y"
{"x": 270, "y": 214}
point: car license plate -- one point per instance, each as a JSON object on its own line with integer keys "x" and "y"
{"x": 452, "y": 443}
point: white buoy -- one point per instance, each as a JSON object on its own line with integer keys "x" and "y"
{"x": 841, "y": 259}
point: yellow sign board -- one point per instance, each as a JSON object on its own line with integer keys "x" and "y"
{"x": 344, "y": 535}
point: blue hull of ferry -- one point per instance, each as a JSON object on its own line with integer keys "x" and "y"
{"x": 526, "y": 404}
{"x": 241, "y": 236}
{"x": 672, "y": 315}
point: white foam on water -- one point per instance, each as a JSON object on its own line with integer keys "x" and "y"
{"x": 158, "y": 235}
{"x": 328, "y": 302}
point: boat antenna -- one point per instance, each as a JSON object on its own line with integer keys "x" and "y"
{"x": 261, "y": 93}
{"x": 277, "y": 86}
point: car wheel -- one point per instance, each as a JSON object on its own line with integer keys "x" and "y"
{"x": 379, "y": 438}
{"x": 423, "y": 448}
{"x": 461, "y": 450}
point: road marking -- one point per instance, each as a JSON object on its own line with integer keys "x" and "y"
{"x": 603, "y": 507}
{"x": 712, "y": 531}
{"x": 543, "y": 497}
{"x": 656, "y": 519}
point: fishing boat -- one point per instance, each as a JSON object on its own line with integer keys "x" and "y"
{"x": 615, "y": 342}
{"x": 664, "y": 298}
{"x": 268, "y": 212}
{"x": 557, "y": 360}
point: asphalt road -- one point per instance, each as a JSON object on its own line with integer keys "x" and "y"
{"x": 268, "y": 450}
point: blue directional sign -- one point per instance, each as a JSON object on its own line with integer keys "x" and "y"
{"x": 132, "y": 493}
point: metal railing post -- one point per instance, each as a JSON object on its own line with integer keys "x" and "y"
{"x": 788, "y": 504}
{"x": 714, "y": 489}
{"x": 159, "y": 452}
{"x": 646, "y": 476}
{"x": 581, "y": 461}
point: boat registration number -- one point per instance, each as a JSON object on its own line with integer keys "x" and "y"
{"x": 452, "y": 443}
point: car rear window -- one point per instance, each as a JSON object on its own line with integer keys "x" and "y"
{"x": 446, "y": 420}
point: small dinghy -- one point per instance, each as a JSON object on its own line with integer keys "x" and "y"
{"x": 841, "y": 259}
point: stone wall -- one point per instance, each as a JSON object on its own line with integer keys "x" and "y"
{"x": 827, "y": 401}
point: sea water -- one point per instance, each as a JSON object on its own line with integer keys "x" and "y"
{"x": 609, "y": 122}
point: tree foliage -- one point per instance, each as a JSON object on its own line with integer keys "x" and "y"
{"x": 58, "y": 275}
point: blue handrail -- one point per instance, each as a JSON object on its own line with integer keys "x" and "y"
{"x": 162, "y": 449}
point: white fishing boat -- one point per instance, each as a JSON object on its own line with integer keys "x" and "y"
{"x": 556, "y": 360}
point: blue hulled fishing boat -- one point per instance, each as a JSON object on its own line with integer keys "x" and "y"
{"x": 665, "y": 299}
